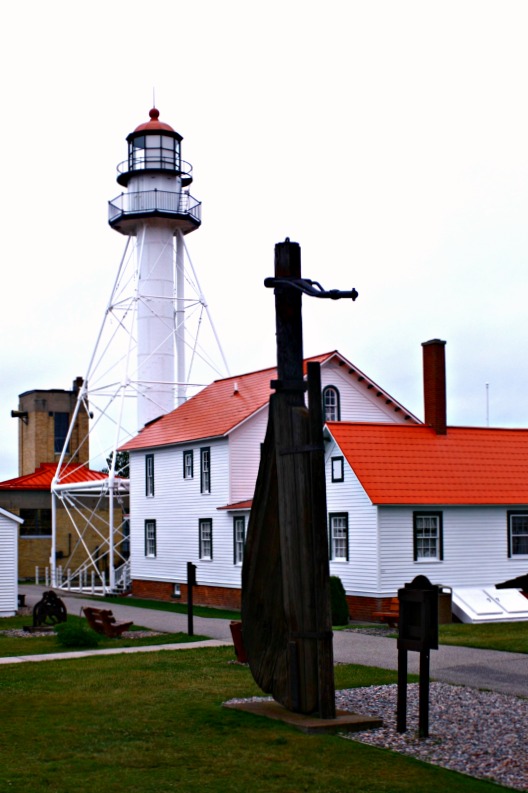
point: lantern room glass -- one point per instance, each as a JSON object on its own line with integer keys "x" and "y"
{"x": 154, "y": 152}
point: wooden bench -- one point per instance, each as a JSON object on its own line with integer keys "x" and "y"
{"x": 391, "y": 616}
{"x": 103, "y": 621}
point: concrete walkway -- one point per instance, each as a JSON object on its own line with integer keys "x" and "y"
{"x": 488, "y": 669}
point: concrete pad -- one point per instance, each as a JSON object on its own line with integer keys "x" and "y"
{"x": 346, "y": 721}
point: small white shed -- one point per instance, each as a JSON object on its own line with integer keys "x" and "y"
{"x": 9, "y": 524}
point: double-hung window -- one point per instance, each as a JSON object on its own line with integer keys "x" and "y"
{"x": 331, "y": 406}
{"x": 205, "y": 470}
{"x": 149, "y": 475}
{"x": 239, "y": 538}
{"x": 150, "y": 538}
{"x": 427, "y": 537}
{"x": 188, "y": 464}
{"x": 338, "y": 524}
{"x": 205, "y": 538}
{"x": 517, "y": 533}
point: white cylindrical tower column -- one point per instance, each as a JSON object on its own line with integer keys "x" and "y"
{"x": 156, "y": 208}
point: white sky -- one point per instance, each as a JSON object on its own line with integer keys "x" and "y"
{"x": 390, "y": 139}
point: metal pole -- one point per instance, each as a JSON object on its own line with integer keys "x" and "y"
{"x": 401, "y": 708}
{"x": 190, "y": 583}
{"x": 53, "y": 556}
{"x": 423, "y": 725}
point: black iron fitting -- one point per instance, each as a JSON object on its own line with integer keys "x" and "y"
{"x": 309, "y": 287}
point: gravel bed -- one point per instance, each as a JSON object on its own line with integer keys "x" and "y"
{"x": 480, "y": 733}
{"x": 21, "y": 634}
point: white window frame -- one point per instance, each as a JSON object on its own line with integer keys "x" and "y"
{"x": 239, "y": 538}
{"x": 338, "y": 528}
{"x": 331, "y": 403}
{"x": 515, "y": 539}
{"x": 150, "y": 539}
{"x": 427, "y": 536}
{"x": 205, "y": 469}
{"x": 205, "y": 538}
{"x": 149, "y": 475}
{"x": 188, "y": 464}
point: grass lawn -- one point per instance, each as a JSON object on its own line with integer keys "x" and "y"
{"x": 511, "y": 637}
{"x": 176, "y": 608}
{"x": 146, "y": 723}
{"x": 48, "y": 642}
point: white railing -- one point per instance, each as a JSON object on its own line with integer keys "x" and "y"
{"x": 123, "y": 578}
{"x": 151, "y": 201}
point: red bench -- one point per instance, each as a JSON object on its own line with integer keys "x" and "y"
{"x": 391, "y": 615}
{"x": 103, "y": 621}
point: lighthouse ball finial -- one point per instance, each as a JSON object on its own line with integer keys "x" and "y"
{"x": 154, "y": 114}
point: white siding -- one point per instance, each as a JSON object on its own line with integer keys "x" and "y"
{"x": 176, "y": 507}
{"x": 177, "y": 504}
{"x": 475, "y": 548}
{"x": 358, "y": 402}
{"x": 244, "y": 456}
{"x": 360, "y": 574}
{"x": 8, "y": 564}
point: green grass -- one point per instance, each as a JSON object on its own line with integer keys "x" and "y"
{"x": 511, "y": 637}
{"x": 154, "y": 722}
{"x": 48, "y": 643}
{"x": 175, "y": 608}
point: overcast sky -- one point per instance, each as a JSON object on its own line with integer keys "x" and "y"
{"x": 390, "y": 139}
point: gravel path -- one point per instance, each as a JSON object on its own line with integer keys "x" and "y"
{"x": 480, "y": 733}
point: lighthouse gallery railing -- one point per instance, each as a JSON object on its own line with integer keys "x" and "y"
{"x": 146, "y": 201}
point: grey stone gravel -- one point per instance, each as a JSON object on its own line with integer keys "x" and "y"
{"x": 480, "y": 733}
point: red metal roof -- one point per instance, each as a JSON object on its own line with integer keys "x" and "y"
{"x": 42, "y": 477}
{"x": 411, "y": 464}
{"x": 247, "y": 504}
{"x": 154, "y": 125}
{"x": 213, "y": 412}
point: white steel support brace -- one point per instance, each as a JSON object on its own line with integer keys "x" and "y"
{"x": 109, "y": 394}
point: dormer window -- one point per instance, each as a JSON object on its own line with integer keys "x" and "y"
{"x": 331, "y": 404}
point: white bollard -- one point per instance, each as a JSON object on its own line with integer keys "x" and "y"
{"x": 37, "y": 579}
{"x": 68, "y": 579}
{"x": 47, "y": 578}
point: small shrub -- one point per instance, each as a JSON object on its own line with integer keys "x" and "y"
{"x": 339, "y": 603}
{"x": 71, "y": 635}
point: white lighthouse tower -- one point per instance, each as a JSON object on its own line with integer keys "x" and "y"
{"x": 158, "y": 210}
{"x": 137, "y": 371}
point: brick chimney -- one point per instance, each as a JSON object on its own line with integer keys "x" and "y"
{"x": 435, "y": 385}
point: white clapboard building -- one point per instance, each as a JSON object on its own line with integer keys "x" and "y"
{"x": 9, "y": 525}
{"x": 404, "y": 497}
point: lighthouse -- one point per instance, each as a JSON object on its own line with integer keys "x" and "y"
{"x": 158, "y": 210}
{"x": 137, "y": 370}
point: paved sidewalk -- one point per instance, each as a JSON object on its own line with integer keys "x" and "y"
{"x": 488, "y": 669}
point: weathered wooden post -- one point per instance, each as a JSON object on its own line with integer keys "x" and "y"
{"x": 286, "y": 614}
